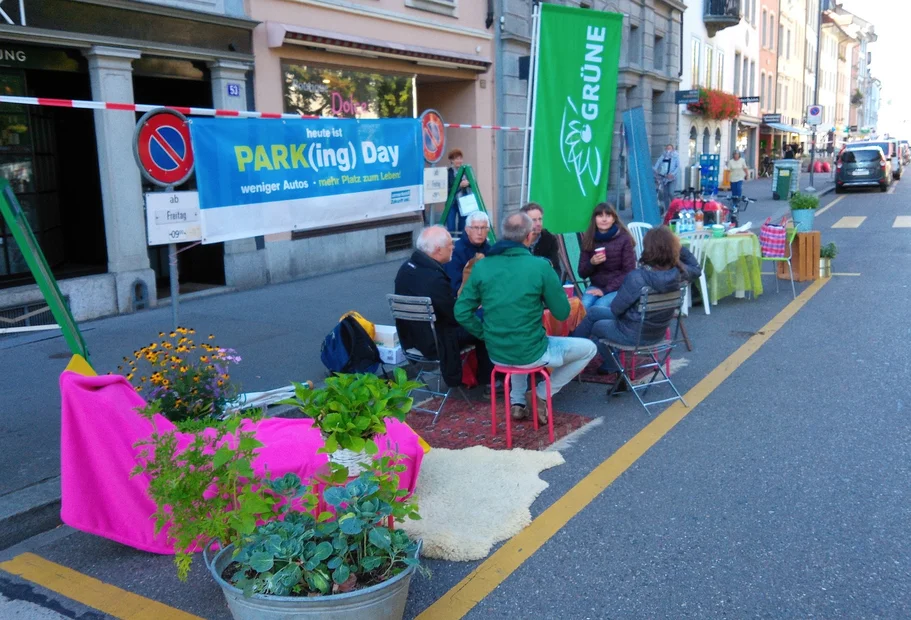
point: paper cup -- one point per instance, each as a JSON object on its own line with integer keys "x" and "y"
{"x": 569, "y": 289}
{"x": 600, "y": 251}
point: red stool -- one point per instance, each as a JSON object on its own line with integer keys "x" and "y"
{"x": 509, "y": 371}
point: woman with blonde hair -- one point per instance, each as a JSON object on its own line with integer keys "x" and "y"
{"x": 608, "y": 254}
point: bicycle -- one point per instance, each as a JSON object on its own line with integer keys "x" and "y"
{"x": 766, "y": 169}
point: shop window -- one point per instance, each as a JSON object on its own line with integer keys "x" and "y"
{"x": 444, "y": 7}
{"x": 692, "y": 145}
{"x": 705, "y": 141}
{"x": 323, "y": 91}
{"x": 717, "y": 140}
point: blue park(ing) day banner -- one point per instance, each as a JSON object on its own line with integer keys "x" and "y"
{"x": 264, "y": 176}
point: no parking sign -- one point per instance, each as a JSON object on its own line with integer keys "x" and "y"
{"x": 162, "y": 147}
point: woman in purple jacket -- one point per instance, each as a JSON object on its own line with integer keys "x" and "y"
{"x": 606, "y": 269}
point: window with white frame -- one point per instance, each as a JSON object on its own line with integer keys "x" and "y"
{"x": 762, "y": 27}
{"x": 762, "y": 90}
{"x": 443, "y": 7}
{"x": 736, "y": 72}
{"x": 752, "y": 90}
{"x": 709, "y": 65}
{"x": 743, "y": 78}
{"x": 720, "y": 71}
{"x": 772, "y": 31}
{"x": 695, "y": 61}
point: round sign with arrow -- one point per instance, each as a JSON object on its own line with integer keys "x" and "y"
{"x": 162, "y": 147}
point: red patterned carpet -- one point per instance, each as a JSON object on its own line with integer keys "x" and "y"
{"x": 461, "y": 425}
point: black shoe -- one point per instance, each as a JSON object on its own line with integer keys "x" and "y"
{"x": 619, "y": 388}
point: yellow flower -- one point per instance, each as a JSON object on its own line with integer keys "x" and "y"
{"x": 184, "y": 369}
{"x": 143, "y": 379}
{"x": 211, "y": 336}
{"x": 195, "y": 380}
{"x": 175, "y": 359}
{"x": 192, "y": 331}
{"x": 181, "y": 330}
{"x": 221, "y": 383}
{"x": 182, "y": 340}
{"x": 172, "y": 335}
{"x": 161, "y": 334}
{"x": 182, "y": 349}
{"x": 153, "y": 346}
{"x": 167, "y": 345}
{"x": 165, "y": 383}
{"x": 130, "y": 377}
{"x": 204, "y": 359}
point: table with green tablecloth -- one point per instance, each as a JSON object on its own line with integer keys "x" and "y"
{"x": 733, "y": 265}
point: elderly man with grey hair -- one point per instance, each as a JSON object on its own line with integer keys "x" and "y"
{"x": 514, "y": 287}
{"x": 471, "y": 245}
{"x": 423, "y": 275}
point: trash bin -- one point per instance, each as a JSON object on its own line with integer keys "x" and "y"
{"x": 783, "y": 190}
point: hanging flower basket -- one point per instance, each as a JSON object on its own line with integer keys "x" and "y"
{"x": 716, "y": 105}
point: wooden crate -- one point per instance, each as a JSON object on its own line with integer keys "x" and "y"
{"x": 805, "y": 260}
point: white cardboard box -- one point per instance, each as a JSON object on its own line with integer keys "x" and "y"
{"x": 386, "y": 336}
{"x": 392, "y": 355}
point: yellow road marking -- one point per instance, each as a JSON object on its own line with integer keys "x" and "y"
{"x": 849, "y": 221}
{"x": 90, "y": 591}
{"x": 495, "y": 569}
{"x": 830, "y": 205}
{"x": 902, "y": 221}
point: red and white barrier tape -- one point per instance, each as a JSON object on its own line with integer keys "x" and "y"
{"x": 138, "y": 107}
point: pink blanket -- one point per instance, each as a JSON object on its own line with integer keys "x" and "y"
{"x": 99, "y": 427}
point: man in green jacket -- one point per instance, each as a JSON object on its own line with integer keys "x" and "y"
{"x": 514, "y": 288}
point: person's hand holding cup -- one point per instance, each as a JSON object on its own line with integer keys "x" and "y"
{"x": 599, "y": 256}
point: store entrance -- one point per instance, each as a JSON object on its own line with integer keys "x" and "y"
{"x": 201, "y": 267}
{"x": 50, "y": 158}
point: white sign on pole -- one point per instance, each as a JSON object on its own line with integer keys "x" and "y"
{"x": 436, "y": 183}
{"x": 814, "y": 115}
{"x": 172, "y": 217}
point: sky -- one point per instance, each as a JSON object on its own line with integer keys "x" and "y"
{"x": 892, "y": 20}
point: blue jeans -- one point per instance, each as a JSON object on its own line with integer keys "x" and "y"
{"x": 593, "y": 301}
{"x": 566, "y": 357}
{"x": 736, "y": 189}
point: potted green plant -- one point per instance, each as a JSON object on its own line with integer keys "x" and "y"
{"x": 350, "y": 409}
{"x": 826, "y": 254}
{"x": 343, "y": 563}
{"x": 803, "y": 208}
{"x": 281, "y": 555}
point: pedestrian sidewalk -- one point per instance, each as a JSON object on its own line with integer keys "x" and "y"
{"x": 760, "y": 190}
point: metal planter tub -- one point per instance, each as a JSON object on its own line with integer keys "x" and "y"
{"x": 384, "y": 601}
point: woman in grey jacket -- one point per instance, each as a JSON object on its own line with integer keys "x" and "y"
{"x": 664, "y": 267}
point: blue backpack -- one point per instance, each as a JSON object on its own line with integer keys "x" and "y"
{"x": 348, "y": 348}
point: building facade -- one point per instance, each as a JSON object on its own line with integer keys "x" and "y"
{"x": 369, "y": 59}
{"x": 768, "y": 74}
{"x": 649, "y": 76}
{"x": 708, "y": 60}
{"x": 748, "y": 78}
{"x": 72, "y": 169}
{"x": 792, "y": 74}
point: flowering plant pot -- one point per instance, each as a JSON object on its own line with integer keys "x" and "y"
{"x": 716, "y": 105}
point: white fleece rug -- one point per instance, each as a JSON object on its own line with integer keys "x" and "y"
{"x": 472, "y": 499}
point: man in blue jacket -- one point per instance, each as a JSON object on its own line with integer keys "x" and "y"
{"x": 473, "y": 243}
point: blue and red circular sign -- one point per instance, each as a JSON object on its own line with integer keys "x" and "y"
{"x": 162, "y": 147}
{"x": 433, "y": 134}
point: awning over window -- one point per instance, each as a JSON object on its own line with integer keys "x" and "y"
{"x": 278, "y": 34}
{"x": 788, "y": 128}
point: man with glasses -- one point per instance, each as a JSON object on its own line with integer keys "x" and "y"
{"x": 471, "y": 245}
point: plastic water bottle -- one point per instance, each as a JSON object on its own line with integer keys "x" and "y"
{"x": 699, "y": 218}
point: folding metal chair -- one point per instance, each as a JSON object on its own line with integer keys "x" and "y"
{"x": 791, "y": 234}
{"x": 654, "y": 309}
{"x": 420, "y": 310}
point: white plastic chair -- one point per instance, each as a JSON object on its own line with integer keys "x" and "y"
{"x": 638, "y": 230}
{"x": 697, "y": 241}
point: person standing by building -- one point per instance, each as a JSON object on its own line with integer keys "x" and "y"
{"x": 455, "y": 221}
{"x": 738, "y": 169}
{"x": 666, "y": 169}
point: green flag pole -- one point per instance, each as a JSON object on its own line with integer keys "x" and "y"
{"x": 18, "y": 225}
{"x": 465, "y": 171}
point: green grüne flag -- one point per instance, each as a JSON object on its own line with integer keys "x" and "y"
{"x": 578, "y": 58}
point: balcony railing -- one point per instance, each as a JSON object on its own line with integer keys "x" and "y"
{"x": 721, "y": 14}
